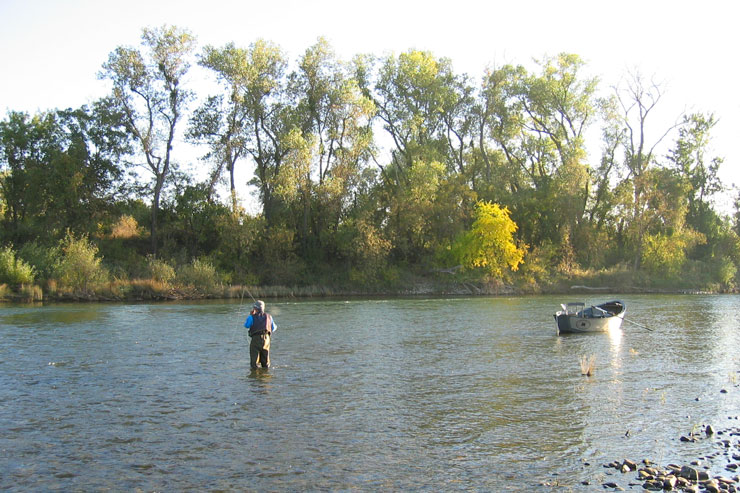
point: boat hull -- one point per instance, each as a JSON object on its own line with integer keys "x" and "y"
{"x": 600, "y": 318}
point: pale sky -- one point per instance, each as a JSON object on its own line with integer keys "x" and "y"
{"x": 51, "y": 50}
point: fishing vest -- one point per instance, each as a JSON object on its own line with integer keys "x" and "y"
{"x": 261, "y": 322}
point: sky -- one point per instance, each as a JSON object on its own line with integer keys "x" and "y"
{"x": 52, "y": 50}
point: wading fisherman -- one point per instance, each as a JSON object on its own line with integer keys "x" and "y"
{"x": 261, "y": 326}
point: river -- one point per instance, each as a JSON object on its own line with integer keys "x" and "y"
{"x": 397, "y": 394}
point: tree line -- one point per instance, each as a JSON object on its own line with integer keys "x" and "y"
{"x": 366, "y": 170}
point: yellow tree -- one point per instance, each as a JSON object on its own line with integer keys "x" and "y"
{"x": 490, "y": 242}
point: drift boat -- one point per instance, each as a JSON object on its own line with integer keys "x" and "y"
{"x": 576, "y": 318}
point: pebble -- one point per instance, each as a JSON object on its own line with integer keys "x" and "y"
{"x": 689, "y": 478}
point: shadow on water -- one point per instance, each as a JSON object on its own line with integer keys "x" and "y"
{"x": 260, "y": 374}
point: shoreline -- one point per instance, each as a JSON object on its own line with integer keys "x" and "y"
{"x": 692, "y": 477}
{"x": 109, "y": 293}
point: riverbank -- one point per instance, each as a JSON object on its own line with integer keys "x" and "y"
{"x": 151, "y": 290}
{"x": 699, "y": 474}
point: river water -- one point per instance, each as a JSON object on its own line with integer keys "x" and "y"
{"x": 398, "y": 394}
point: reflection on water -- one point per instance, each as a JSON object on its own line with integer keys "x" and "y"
{"x": 403, "y": 394}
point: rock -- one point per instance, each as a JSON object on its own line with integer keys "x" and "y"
{"x": 689, "y": 473}
{"x": 669, "y": 483}
{"x": 653, "y": 485}
{"x": 712, "y": 486}
{"x": 644, "y": 475}
{"x": 610, "y": 485}
{"x": 709, "y": 430}
{"x": 683, "y": 483}
{"x": 632, "y": 466}
{"x": 652, "y": 471}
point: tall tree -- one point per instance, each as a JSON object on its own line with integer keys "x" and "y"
{"x": 148, "y": 91}
{"x": 61, "y": 171}
{"x": 336, "y": 125}
{"x": 690, "y": 158}
{"x": 419, "y": 97}
{"x": 536, "y": 121}
{"x": 270, "y": 118}
{"x": 638, "y": 100}
{"x": 221, "y": 121}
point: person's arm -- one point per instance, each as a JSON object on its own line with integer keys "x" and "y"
{"x": 248, "y": 323}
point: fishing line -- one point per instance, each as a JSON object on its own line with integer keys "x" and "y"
{"x": 240, "y": 312}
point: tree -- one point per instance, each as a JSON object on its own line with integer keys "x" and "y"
{"x": 335, "y": 123}
{"x": 531, "y": 126}
{"x": 690, "y": 160}
{"x": 270, "y": 119}
{"x": 638, "y": 99}
{"x": 221, "y": 122}
{"x": 62, "y": 171}
{"x": 148, "y": 92}
{"x": 490, "y": 242}
{"x": 419, "y": 101}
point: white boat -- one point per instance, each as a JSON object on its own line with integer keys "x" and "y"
{"x": 577, "y": 318}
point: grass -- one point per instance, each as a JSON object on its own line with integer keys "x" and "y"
{"x": 588, "y": 365}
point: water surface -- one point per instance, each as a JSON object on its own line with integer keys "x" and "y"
{"x": 399, "y": 394}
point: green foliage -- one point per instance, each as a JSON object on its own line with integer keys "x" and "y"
{"x": 62, "y": 166}
{"x": 200, "y": 274}
{"x": 365, "y": 248}
{"x": 14, "y": 270}
{"x": 160, "y": 270}
{"x": 465, "y": 172}
{"x": 80, "y": 268}
{"x": 490, "y": 242}
{"x": 43, "y": 259}
{"x": 665, "y": 254}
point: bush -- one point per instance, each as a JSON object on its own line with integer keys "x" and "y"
{"x": 201, "y": 274}
{"x": 125, "y": 228}
{"x": 43, "y": 259}
{"x": 80, "y": 266}
{"x": 160, "y": 270}
{"x": 14, "y": 270}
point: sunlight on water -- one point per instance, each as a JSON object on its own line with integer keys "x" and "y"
{"x": 395, "y": 394}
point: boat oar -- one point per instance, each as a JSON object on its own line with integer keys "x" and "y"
{"x": 639, "y": 325}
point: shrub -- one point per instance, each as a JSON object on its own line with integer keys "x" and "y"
{"x": 160, "y": 270}
{"x": 666, "y": 254}
{"x": 43, "y": 259}
{"x": 14, "y": 270}
{"x": 200, "y": 273}
{"x": 125, "y": 228}
{"x": 80, "y": 266}
{"x": 490, "y": 243}
{"x": 30, "y": 293}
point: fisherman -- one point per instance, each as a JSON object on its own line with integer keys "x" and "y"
{"x": 261, "y": 326}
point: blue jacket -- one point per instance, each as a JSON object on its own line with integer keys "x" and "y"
{"x": 250, "y": 321}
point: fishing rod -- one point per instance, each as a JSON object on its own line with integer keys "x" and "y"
{"x": 241, "y": 303}
{"x": 639, "y": 325}
{"x": 250, "y": 294}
